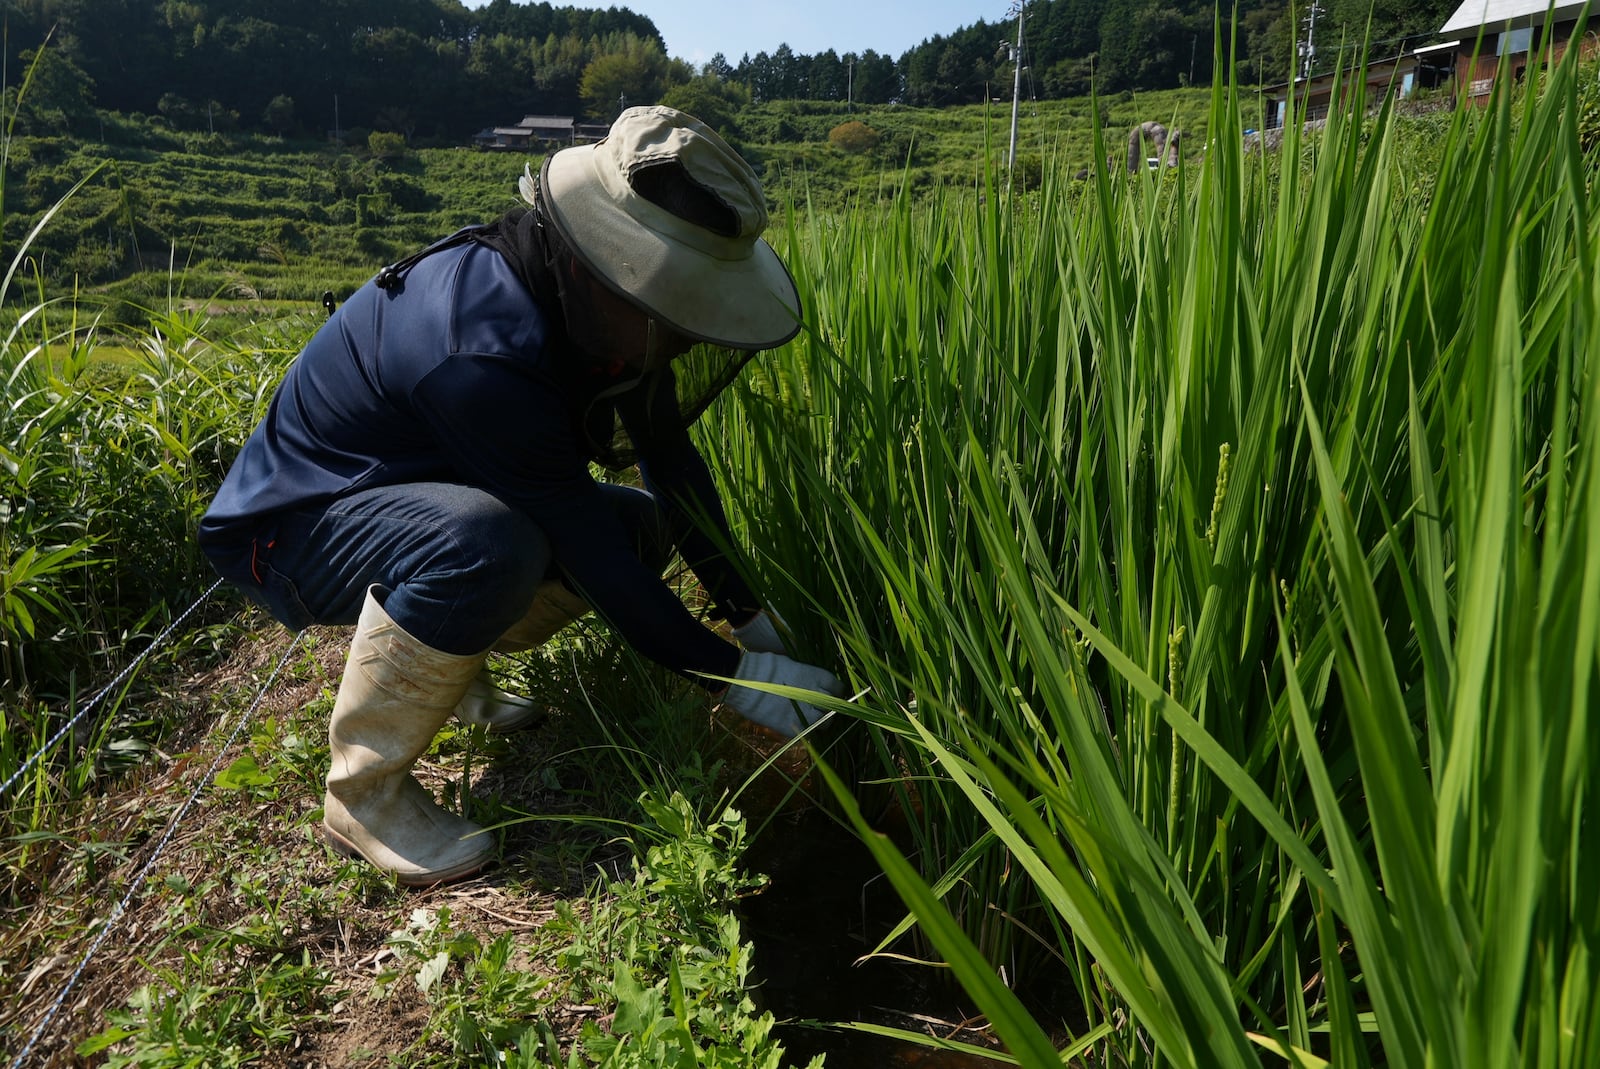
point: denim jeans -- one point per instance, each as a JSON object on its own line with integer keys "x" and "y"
{"x": 461, "y": 565}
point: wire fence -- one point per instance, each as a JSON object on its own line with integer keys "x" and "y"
{"x": 121, "y": 907}
{"x": 94, "y": 702}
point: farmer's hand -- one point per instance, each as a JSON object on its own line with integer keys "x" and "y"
{"x": 760, "y": 633}
{"x": 786, "y": 716}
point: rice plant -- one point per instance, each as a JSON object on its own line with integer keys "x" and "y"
{"x": 1217, "y": 551}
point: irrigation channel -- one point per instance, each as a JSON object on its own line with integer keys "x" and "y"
{"x": 828, "y": 906}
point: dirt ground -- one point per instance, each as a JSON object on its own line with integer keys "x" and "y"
{"x": 824, "y": 908}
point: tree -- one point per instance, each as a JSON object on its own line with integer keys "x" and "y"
{"x": 629, "y": 68}
{"x": 558, "y": 65}
{"x": 827, "y": 78}
{"x": 1270, "y": 43}
{"x": 786, "y": 77}
{"x": 1071, "y": 77}
{"x": 386, "y": 145}
{"x": 500, "y": 69}
{"x": 177, "y": 110}
{"x": 246, "y": 61}
{"x": 279, "y": 114}
{"x": 59, "y": 94}
{"x": 396, "y": 120}
{"x": 876, "y": 79}
{"x": 120, "y": 44}
{"x": 711, "y": 100}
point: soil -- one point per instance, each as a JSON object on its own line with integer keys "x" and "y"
{"x": 825, "y": 909}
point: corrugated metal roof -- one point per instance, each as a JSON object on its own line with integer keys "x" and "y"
{"x": 1493, "y": 14}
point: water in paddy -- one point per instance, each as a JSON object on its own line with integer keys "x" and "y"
{"x": 826, "y": 906}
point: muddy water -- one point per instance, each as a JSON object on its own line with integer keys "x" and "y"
{"x": 826, "y": 906}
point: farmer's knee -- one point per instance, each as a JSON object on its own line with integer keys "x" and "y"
{"x": 479, "y": 580}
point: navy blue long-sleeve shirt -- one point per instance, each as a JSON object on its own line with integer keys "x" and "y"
{"x": 451, "y": 376}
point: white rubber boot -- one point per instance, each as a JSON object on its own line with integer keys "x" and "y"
{"x": 486, "y": 705}
{"x": 395, "y": 695}
{"x": 554, "y": 607}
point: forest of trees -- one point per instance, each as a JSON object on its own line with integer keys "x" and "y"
{"x": 435, "y": 70}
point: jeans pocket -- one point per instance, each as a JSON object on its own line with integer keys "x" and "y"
{"x": 282, "y": 599}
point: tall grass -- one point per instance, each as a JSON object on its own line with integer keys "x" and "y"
{"x": 105, "y": 468}
{"x": 1219, "y": 551}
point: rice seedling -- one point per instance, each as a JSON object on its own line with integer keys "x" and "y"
{"x": 1216, "y": 551}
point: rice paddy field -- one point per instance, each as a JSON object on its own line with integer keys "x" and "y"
{"x": 1213, "y": 554}
{"x": 1217, "y": 556}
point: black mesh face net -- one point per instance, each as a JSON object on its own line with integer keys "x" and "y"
{"x": 695, "y": 379}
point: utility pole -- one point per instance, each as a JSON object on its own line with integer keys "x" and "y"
{"x": 1016, "y": 82}
{"x": 850, "y": 85}
{"x": 1309, "y": 49}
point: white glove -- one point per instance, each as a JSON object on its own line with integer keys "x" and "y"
{"x": 760, "y": 633}
{"x": 786, "y": 716}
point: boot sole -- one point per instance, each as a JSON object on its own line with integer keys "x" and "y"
{"x": 340, "y": 845}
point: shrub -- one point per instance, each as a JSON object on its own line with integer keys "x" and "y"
{"x": 854, "y": 137}
{"x": 385, "y": 145}
{"x": 373, "y": 209}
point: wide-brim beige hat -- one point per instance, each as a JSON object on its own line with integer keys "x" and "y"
{"x": 724, "y": 284}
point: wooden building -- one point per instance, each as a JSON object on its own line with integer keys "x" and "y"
{"x": 1405, "y": 73}
{"x": 1498, "y": 39}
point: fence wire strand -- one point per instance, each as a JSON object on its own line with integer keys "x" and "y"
{"x": 149, "y": 865}
{"x": 90, "y": 705}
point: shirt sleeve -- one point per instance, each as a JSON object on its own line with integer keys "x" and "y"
{"x": 675, "y": 472}
{"x": 505, "y": 428}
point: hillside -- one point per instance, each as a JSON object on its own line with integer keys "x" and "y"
{"x": 243, "y": 221}
{"x": 436, "y": 72}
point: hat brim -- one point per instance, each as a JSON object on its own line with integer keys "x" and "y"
{"x": 745, "y": 303}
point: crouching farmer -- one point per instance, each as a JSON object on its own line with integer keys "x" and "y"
{"x": 423, "y": 470}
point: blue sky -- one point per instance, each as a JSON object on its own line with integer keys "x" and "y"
{"x": 696, "y": 30}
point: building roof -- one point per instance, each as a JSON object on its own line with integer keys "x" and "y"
{"x": 1474, "y": 15}
{"x": 545, "y": 122}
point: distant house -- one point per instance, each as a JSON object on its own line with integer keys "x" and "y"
{"x": 1407, "y": 72}
{"x": 534, "y": 131}
{"x": 1501, "y": 34}
{"x": 1504, "y": 34}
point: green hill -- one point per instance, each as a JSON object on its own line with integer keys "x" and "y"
{"x": 244, "y": 220}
